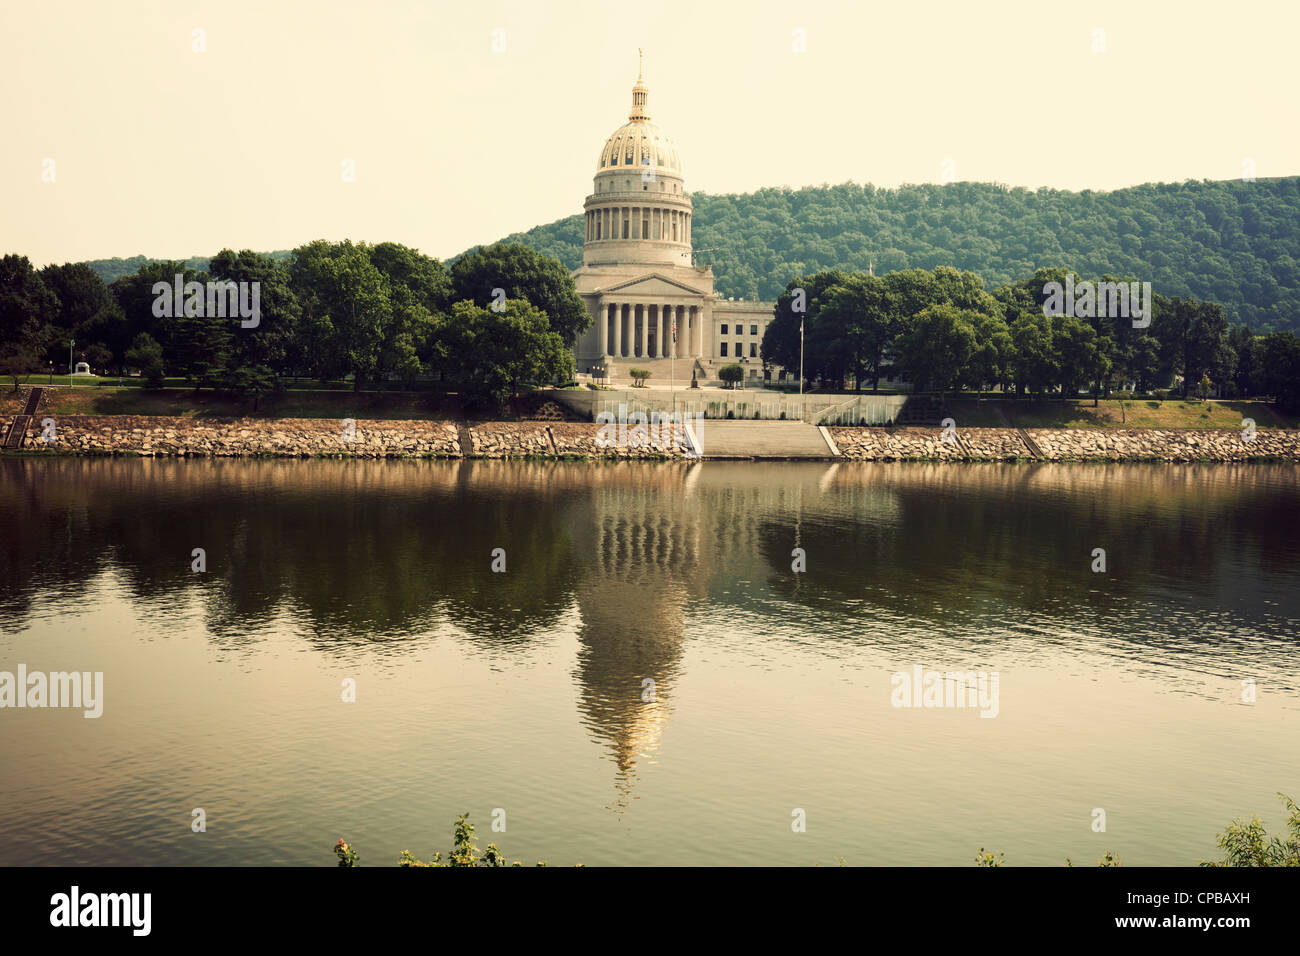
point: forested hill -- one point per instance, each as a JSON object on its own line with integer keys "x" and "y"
{"x": 110, "y": 269}
{"x": 1234, "y": 242}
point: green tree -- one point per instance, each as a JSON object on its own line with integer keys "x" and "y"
{"x": 507, "y": 348}
{"x": 522, "y": 273}
{"x": 147, "y": 355}
{"x": 346, "y": 308}
{"x": 87, "y": 310}
{"x": 1034, "y": 358}
{"x": 27, "y": 309}
{"x": 937, "y": 349}
{"x": 259, "y": 354}
{"x": 731, "y": 375}
{"x": 1280, "y": 368}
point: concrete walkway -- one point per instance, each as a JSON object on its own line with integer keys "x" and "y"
{"x": 720, "y": 438}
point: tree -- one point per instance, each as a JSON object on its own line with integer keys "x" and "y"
{"x": 993, "y": 361}
{"x": 346, "y": 306}
{"x": 639, "y": 375}
{"x": 147, "y": 355}
{"x": 1034, "y": 360}
{"x": 937, "y": 348}
{"x": 87, "y": 310}
{"x": 1280, "y": 369}
{"x": 27, "y": 309}
{"x": 135, "y": 296}
{"x": 1246, "y": 348}
{"x": 259, "y": 354}
{"x": 799, "y": 305}
{"x": 98, "y": 356}
{"x": 508, "y": 348}
{"x": 522, "y": 273}
{"x": 731, "y": 375}
{"x": 1079, "y": 358}
{"x": 859, "y": 327}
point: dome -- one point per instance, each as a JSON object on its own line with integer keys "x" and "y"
{"x": 639, "y": 142}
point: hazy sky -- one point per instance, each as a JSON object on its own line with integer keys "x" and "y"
{"x": 161, "y": 150}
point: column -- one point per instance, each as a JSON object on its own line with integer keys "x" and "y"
{"x": 672, "y": 318}
{"x": 663, "y": 330}
{"x": 603, "y": 331}
{"x": 618, "y": 330}
{"x": 644, "y": 312}
{"x": 699, "y": 333}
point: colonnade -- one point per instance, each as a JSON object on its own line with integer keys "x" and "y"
{"x": 638, "y": 222}
{"x": 644, "y": 330}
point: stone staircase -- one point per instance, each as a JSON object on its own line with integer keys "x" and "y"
{"x": 18, "y": 427}
{"x": 719, "y": 438}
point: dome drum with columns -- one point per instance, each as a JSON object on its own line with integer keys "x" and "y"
{"x": 647, "y": 300}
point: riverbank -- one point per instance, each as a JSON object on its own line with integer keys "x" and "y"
{"x": 162, "y": 436}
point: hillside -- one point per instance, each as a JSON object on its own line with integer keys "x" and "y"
{"x": 110, "y": 269}
{"x": 1236, "y": 243}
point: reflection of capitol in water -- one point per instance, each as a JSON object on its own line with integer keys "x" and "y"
{"x": 653, "y": 544}
{"x": 642, "y": 560}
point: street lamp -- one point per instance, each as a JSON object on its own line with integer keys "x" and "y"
{"x": 71, "y": 343}
{"x": 801, "y": 364}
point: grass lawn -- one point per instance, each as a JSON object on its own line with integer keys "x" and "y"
{"x": 184, "y": 402}
{"x": 1136, "y": 413}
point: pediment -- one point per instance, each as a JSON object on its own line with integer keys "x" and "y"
{"x": 651, "y": 284}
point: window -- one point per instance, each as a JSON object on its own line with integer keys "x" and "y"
{"x": 753, "y": 330}
{"x": 739, "y": 353}
{"x": 724, "y": 332}
{"x": 753, "y": 350}
{"x": 724, "y": 349}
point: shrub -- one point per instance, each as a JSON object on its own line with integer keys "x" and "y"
{"x": 464, "y": 851}
{"x": 731, "y": 374}
{"x": 639, "y": 375}
{"x": 1246, "y": 843}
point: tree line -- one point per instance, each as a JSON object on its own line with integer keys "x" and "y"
{"x": 499, "y": 317}
{"x": 941, "y": 330}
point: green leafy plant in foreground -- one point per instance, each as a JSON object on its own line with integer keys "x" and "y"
{"x": 464, "y": 851}
{"x": 1246, "y": 842}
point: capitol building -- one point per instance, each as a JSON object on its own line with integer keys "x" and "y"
{"x": 651, "y": 306}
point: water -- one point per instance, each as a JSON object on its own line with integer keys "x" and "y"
{"x": 523, "y": 690}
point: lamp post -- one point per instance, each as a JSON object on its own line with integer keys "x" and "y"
{"x": 71, "y": 343}
{"x": 801, "y": 407}
{"x": 51, "y": 364}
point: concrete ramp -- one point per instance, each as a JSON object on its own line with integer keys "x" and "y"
{"x": 719, "y": 438}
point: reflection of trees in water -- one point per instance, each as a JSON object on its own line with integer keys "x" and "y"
{"x": 357, "y": 551}
{"x": 958, "y": 542}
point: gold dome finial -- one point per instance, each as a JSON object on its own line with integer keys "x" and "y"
{"x": 639, "y": 92}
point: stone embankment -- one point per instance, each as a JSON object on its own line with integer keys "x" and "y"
{"x": 1065, "y": 444}
{"x": 156, "y": 436}
{"x": 315, "y": 437}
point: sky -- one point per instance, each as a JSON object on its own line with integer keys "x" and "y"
{"x": 123, "y": 131}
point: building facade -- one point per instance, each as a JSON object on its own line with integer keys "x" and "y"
{"x": 649, "y": 302}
